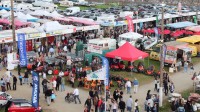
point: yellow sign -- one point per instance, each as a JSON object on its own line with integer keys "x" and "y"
{"x": 34, "y": 35}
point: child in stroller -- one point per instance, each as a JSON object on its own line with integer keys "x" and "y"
{"x": 69, "y": 97}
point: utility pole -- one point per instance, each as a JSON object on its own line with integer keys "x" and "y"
{"x": 161, "y": 59}
{"x": 13, "y": 25}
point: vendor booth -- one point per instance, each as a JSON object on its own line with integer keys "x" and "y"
{"x": 194, "y": 42}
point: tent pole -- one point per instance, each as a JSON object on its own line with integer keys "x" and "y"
{"x": 131, "y": 69}
{"x": 148, "y": 61}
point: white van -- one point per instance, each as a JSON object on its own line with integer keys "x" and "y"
{"x": 50, "y": 7}
{"x": 125, "y": 13}
{"x": 66, "y": 3}
{"x": 72, "y": 10}
{"x": 100, "y": 44}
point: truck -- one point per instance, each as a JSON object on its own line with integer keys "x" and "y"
{"x": 175, "y": 51}
{"x": 137, "y": 40}
{"x": 72, "y": 10}
{"x": 100, "y": 44}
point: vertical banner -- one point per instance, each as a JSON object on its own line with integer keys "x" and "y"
{"x": 22, "y": 49}
{"x": 35, "y": 90}
{"x": 106, "y": 65}
{"x": 156, "y": 32}
{"x": 179, "y": 7}
{"x": 157, "y": 22}
{"x": 195, "y": 19}
{"x": 130, "y": 24}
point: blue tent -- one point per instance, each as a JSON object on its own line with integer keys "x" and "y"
{"x": 181, "y": 24}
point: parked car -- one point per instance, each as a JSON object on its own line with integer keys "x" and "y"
{"x": 4, "y": 98}
{"x": 21, "y": 105}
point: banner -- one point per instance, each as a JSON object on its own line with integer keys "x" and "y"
{"x": 106, "y": 65}
{"x": 179, "y": 7}
{"x": 163, "y": 53}
{"x": 156, "y": 32}
{"x": 22, "y": 49}
{"x": 195, "y": 19}
{"x": 97, "y": 75}
{"x": 157, "y": 21}
{"x": 130, "y": 24}
{"x": 35, "y": 90}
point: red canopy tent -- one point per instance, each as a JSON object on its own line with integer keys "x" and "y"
{"x": 197, "y": 33}
{"x": 127, "y": 52}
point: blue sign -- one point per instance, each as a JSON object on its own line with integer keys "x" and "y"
{"x": 106, "y": 65}
{"x": 35, "y": 91}
{"x": 22, "y": 49}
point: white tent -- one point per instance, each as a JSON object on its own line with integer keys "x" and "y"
{"x": 3, "y": 11}
{"x": 56, "y": 14}
{"x": 40, "y": 13}
{"x": 53, "y": 26}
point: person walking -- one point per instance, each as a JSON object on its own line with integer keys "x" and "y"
{"x": 122, "y": 105}
{"x": 8, "y": 83}
{"x": 135, "y": 85}
{"x": 62, "y": 84}
{"x": 88, "y": 104}
{"x": 114, "y": 106}
{"x": 54, "y": 85}
{"x": 44, "y": 85}
{"x": 136, "y": 107}
{"x": 185, "y": 66}
{"x": 165, "y": 83}
{"x": 95, "y": 103}
{"x": 48, "y": 94}
{"x": 14, "y": 82}
{"x": 3, "y": 85}
{"x": 76, "y": 95}
{"x": 18, "y": 68}
{"x": 171, "y": 87}
{"x": 26, "y": 77}
{"x": 51, "y": 51}
{"x": 20, "y": 79}
{"x": 115, "y": 95}
{"x": 155, "y": 85}
{"x": 128, "y": 86}
{"x": 58, "y": 82}
{"x": 129, "y": 104}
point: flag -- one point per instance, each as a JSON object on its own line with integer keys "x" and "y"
{"x": 106, "y": 65}
{"x": 35, "y": 90}
{"x": 195, "y": 19}
{"x": 179, "y": 7}
{"x": 157, "y": 22}
{"x": 130, "y": 24}
{"x": 156, "y": 32}
{"x": 22, "y": 49}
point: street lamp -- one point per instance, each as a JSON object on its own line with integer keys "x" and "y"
{"x": 137, "y": 20}
{"x": 161, "y": 58}
{"x": 13, "y": 24}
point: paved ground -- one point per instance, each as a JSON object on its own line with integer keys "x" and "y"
{"x": 25, "y": 91}
{"x": 181, "y": 80}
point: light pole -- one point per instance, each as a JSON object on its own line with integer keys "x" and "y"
{"x": 137, "y": 20}
{"x": 13, "y": 24}
{"x": 161, "y": 59}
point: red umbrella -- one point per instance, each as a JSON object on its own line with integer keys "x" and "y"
{"x": 198, "y": 33}
{"x": 189, "y": 32}
{"x": 175, "y": 34}
{"x": 148, "y": 31}
{"x": 165, "y": 32}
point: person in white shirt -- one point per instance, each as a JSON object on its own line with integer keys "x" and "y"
{"x": 136, "y": 108}
{"x": 65, "y": 49}
{"x": 128, "y": 86}
{"x": 54, "y": 86}
{"x": 129, "y": 104}
{"x": 44, "y": 76}
{"x": 76, "y": 95}
{"x": 51, "y": 51}
{"x": 61, "y": 73}
{"x": 114, "y": 106}
{"x": 150, "y": 101}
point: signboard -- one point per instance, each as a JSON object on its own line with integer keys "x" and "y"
{"x": 93, "y": 27}
{"x": 35, "y": 35}
{"x": 97, "y": 75}
{"x": 94, "y": 48}
{"x": 61, "y": 32}
{"x": 6, "y": 40}
{"x": 22, "y": 49}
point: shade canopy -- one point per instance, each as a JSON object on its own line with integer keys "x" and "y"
{"x": 193, "y": 28}
{"x": 127, "y": 52}
{"x": 181, "y": 24}
{"x": 191, "y": 39}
